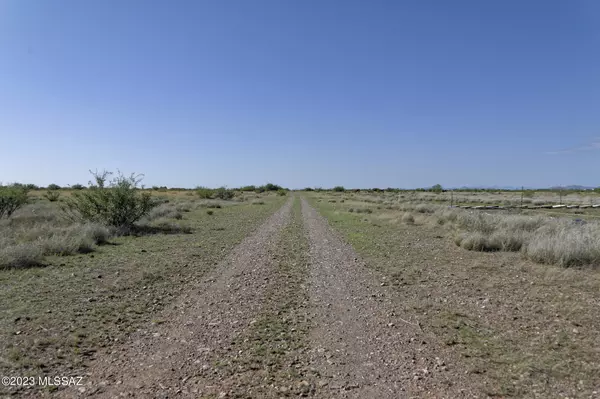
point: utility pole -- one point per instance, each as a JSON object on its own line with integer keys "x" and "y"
{"x": 560, "y": 195}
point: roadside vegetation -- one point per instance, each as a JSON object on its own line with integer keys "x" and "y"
{"x": 35, "y": 224}
{"x": 35, "y": 229}
{"x": 11, "y": 199}
{"x": 565, "y": 237}
{"x": 224, "y": 193}
{"x": 551, "y": 240}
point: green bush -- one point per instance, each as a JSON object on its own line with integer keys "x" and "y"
{"x": 339, "y": 189}
{"x": 77, "y": 186}
{"x": 281, "y": 193}
{"x": 223, "y": 193}
{"x": 11, "y": 199}
{"x": 272, "y": 187}
{"x": 52, "y": 195}
{"x": 210, "y": 212}
{"x": 53, "y": 187}
{"x": 268, "y": 187}
{"x": 248, "y": 188}
{"x": 437, "y": 188}
{"x": 119, "y": 204}
{"x": 204, "y": 192}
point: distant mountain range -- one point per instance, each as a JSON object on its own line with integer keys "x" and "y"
{"x": 574, "y": 187}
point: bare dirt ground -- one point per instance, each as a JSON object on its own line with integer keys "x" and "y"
{"x": 294, "y": 311}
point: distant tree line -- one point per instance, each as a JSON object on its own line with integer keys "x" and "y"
{"x": 275, "y": 187}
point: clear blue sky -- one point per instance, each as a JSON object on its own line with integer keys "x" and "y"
{"x": 301, "y": 93}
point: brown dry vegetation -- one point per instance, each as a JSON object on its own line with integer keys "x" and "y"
{"x": 567, "y": 237}
{"x": 507, "y": 198}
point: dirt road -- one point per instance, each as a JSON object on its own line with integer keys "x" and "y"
{"x": 291, "y": 311}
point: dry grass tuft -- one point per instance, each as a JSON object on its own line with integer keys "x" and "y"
{"x": 184, "y": 207}
{"x": 27, "y": 245}
{"x": 541, "y": 239}
{"x": 566, "y": 244}
{"x": 20, "y": 256}
{"x": 167, "y": 211}
{"x": 408, "y": 218}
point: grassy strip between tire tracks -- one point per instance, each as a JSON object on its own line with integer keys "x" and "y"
{"x": 266, "y": 361}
